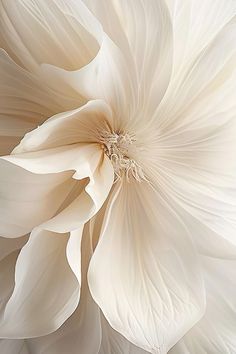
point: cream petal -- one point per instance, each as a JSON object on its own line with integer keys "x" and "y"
{"x": 147, "y": 265}
{"x": 193, "y": 33}
{"x": 107, "y": 77}
{"x": 87, "y": 204}
{"x": 212, "y": 67}
{"x": 143, "y": 32}
{"x": 80, "y": 125}
{"x": 197, "y": 169}
{"x": 29, "y": 199}
{"x": 48, "y": 168}
{"x": 82, "y": 331}
{"x": 114, "y": 342}
{"x": 215, "y": 333}
{"x": 45, "y": 32}
{"x": 46, "y": 292}
{"x": 13, "y": 346}
{"x": 25, "y": 102}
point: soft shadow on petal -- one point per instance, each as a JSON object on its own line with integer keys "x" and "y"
{"x": 82, "y": 331}
{"x": 28, "y": 199}
{"x": 211, "y": 69}
{"x": 142, "y": 30}
{"x": 82, "y": 125}
{"x": 45, "y": 32}
{"x": 46, "y": 292}
{"x": 147, "y": 265}
{"x": 107, "y": 77}
{"x": 215, "y": 333}
{"x": 192, "y": 33}
{"x": 25, "y": 102}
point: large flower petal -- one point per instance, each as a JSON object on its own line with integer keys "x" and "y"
{"x": 81, "y": 125}
{"x": 46, "y": 292}
{"x": 215, "y": 333}
{"x": 82, "y": 331}
{"x": 143, "y": 32}
{"x": 45, "y": 32}
{"x": 29, "y": 199}
{"x": 147, "y": 265}
{"x": 25, "y": 102}
{"x": 213, "y": 70}
{"x": 193, "y": 33}
{"x": 88, "y": 161}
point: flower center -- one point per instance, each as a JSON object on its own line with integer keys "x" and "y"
{"x": 117, "y": 147}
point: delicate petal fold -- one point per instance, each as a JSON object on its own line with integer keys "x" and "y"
{"x": 56, "y": 32}
{"x": 27, "y": 199}
{"x": 215, "y": 333}
{"x": 88, "y": 161}
{"x": 142, "y": 30}
{"x": 190, "y": 95}
{"x": 147, "y": 265}
{"x": 82, "y": 125}
{"x": 46, "y": 292}
{"x": 82, "y": 331}
{"x": 25, "y": 102}
{"x": 192, "y": 33}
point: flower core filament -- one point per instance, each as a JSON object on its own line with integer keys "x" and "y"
{"x": 117, "y": 147}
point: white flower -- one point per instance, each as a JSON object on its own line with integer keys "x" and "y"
{"x": 118, "y": 206}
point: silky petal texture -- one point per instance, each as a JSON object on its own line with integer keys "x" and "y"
{"x": 143, "y": 32}
{"x": 192, "y": 33}
{"x": 82, "y": 331}
{"x": 212, "y": 70}
{"x": 84, "y": 124}
{"x": 41, "y": 269}
{"x": 25, "y": 102}
{"x": 107, "y": 77}
{"x": 88, "y": 161}
{"x": 114, "y": 343}
{"x": 29, "y": 199}
{"x": 33, "y": 33}
{"x": 215, "y": 333}
{"x": 11, "y": 346}
{"x": 147, "y": 264}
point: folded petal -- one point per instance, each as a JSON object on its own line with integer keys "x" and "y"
{"x": 143, "y": 32}
{"x": 25, "y": 102}
{"x": 147, "y": 265}
{"x": 45, "y": 32}
{"x": 193, "y": 33}
{"x": 82, "y": 331}
{"x": 29, "y": 199}
{"x": 215, "y": 333}
{"x": 46, "y": 291}
{"x": 81, "y": 125}
{"x": 107, "y": 77}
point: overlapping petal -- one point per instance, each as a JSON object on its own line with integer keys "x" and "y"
{"x": 46, "y": 291}
{"x": 42, "y": 32}
{"x": 215, "y": 333}
{"x": 147, "y": 264}
{"x": 25, "y": 102}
